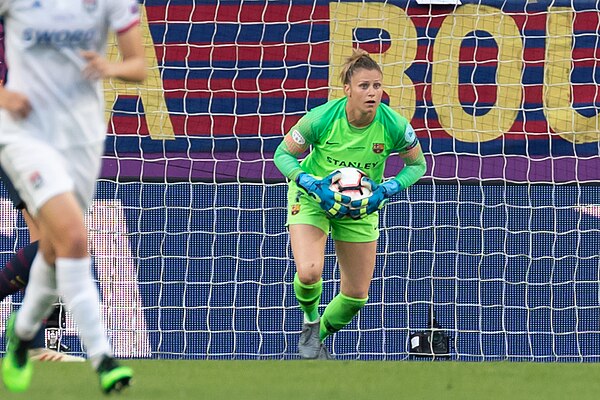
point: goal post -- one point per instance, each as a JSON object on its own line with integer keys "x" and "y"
{"x": 500, "y": 237}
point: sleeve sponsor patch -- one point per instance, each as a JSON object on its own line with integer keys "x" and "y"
{"x": 410, "y": 137}
{"x": 409, "y": 134}
{"x": 298, "y": 138}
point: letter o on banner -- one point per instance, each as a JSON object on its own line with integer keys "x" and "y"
{"x": 445, "y": 69}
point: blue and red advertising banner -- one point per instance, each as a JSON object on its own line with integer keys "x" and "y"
{"x": 496, "y": 90}
{"x": 237, "y": 75}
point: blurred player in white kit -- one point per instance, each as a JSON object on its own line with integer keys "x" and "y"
{"x": 52, "y": 133}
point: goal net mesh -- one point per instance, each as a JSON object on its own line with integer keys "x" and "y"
{"x": 500, "y": 237}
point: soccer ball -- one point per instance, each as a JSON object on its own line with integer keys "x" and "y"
{"x": 349, "y": 183}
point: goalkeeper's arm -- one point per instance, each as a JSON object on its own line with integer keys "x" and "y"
{"x": 286, "y": 160}
{"x": 286, "y": 157}
{"x": 414, "y": 167}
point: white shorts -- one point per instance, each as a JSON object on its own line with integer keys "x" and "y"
{"x": 39, "y": 172}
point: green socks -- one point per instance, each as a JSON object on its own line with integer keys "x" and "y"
{"x": 339, "y": 313}
{"x": 309, "y": 297}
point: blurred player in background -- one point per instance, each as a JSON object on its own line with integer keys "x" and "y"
{"x": 15, "y": 274}
{"x": 356, "y": 130}
{"x": 52, "y": 132}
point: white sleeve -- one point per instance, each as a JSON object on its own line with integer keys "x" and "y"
{"x": 4, "y": 6}
{"x": 122, "y": 14}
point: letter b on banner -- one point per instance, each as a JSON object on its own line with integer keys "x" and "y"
{"x": 346, "y": 18}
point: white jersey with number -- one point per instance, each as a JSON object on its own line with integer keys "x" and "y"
{"x": 44, "y": 40}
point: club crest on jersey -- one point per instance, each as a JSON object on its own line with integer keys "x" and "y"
{"x": 295, "y": 209}
{"x": 90, "y": 5}
{"x": 378, "y": 148}
{"x": 36, "y": 180}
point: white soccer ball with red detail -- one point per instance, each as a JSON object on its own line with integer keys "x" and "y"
{"x": 348, "y": 181}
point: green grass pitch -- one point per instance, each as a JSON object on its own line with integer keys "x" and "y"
{"x": 307, "y": 380}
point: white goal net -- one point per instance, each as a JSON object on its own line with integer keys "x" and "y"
{"x": 500, "y": 237}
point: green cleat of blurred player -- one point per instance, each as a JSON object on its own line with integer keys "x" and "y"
{"x": 16, "y": 367}
{"x": 113, "y": 377}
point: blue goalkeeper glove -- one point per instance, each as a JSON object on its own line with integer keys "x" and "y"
{"x": 379, "y": 197}
{"x": 330, "y": 201}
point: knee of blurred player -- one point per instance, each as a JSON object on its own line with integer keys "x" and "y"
{"x": 62, "y": 217}
{"x": 355, "y": 131}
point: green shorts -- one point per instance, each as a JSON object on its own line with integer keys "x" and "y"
{"x": 303, "y": 209}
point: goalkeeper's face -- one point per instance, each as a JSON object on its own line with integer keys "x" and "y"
{"x": 364, "y": 91}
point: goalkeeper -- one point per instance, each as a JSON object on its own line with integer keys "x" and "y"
{"x": 354, "y": 131}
